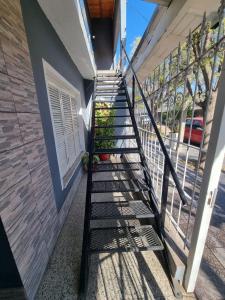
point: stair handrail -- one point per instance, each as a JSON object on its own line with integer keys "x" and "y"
{"x": 168, "y": 162}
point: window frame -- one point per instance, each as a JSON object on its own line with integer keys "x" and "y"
{"x": 53, "y": 78}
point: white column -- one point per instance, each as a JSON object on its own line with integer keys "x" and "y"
{"x": 123, "y": 19}
{"x": 123, "y": 26}
{"x": 213, "y": 165}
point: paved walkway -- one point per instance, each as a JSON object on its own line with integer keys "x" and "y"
{"x": 61, "y": 277}
{"x": 211, "y": 279}
{"x": 112, "y": 276}
{"x": 129, "y": 275}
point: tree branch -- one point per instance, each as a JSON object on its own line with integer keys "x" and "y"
{"x": 188, "y": 84}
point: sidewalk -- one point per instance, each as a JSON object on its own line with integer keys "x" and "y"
{"x": 211, "y": 278}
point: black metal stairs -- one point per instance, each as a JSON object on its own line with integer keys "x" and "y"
{"x": 109, "y": 88}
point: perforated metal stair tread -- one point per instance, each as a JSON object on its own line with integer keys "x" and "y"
{"x": 111, "y": 186}
{"x": 109, "y": 97}
{"x": 111, "y": 101}
{"x": 109, "y": 87}
{"x": 115, "y": 137}
{"x": 100, "y": 75}
{"x": 108, "y": 74}
{"x": 109, "y": 78}
{"x": 105, "y": 75}
{"x": 120, "y": 210}
{"x": 123, "y": 239}
{"x": 112, "y": 107}
{"x": 109, "y": 83}
{"x": 113, "y": 167}
{"x": 114, "y": 126}
{"x": 103, "y": 117}
{"x": 116, "y": 151}
{"x": 115, "y": 80}
{"x": 108, "y": 92}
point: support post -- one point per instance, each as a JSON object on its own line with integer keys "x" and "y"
{"x": 213, "y": 165}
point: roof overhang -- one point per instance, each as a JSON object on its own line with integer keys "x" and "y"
{"x": 170, "y": 27}
{"x": 101, "y": 8}
{"x": 165, "y": 3}
{"x": 67, "y": 20}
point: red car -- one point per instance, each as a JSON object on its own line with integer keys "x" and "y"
{"x": 197, "y": 130}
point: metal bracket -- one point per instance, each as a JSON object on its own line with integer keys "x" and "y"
{"x": 212, "y": 198}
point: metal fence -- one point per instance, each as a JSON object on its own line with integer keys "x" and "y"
{"x": 181, "y": 93}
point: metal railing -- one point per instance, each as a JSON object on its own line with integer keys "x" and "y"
{"x": 168, "y": 168}
{"x": 174, "y": 109}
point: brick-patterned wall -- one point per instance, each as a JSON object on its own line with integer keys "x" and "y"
{"x": 27, "y": 205}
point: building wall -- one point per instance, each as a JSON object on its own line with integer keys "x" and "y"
{"x": 102, "y": 29}
{"x": 11, "y": 279}
{"x": 40, "y": 32}
{"x": 116, "y": 27}
{"x": 27, "y": 202}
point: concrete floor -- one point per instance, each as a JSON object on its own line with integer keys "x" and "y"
{"x": 112, "y": 276}
{"x": 212, "y": 272}
{"x": 60, "y": 280}
{"x": 129, "y": 275}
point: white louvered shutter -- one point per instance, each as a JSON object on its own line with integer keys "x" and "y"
{"x": 76, "y": 129}
{"x": 68, "y": 128}
{"x": 58, "y": 128}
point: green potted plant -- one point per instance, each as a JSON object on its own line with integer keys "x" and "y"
{"x": 85, "y": 160}
{"x": 107, "y": 118}
{"x": 104, "y": 145}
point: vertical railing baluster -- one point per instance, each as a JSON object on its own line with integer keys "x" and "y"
{"x": 165, "y": 189}
{"x": 133, "y": 91}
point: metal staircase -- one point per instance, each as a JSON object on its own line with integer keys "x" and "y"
{"x": 110, "y": 88}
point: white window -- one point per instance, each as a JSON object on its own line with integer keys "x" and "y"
{"x": 64, "y": 103}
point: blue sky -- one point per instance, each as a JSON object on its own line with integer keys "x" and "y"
{"x": 139, "y": 12}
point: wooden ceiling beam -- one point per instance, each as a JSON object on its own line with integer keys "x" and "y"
{"x": 101, "y": 8}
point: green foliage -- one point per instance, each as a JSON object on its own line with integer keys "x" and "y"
{"x": 85, "y": 159}
{"x": 108, "y": 117}
{"x": 135, "y": 45}
{"x": 204, "y": 59}
{"x": 188, "y": 78}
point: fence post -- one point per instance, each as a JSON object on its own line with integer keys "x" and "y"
{"x": 213, "y": 165}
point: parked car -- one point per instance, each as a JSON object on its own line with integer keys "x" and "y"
{"x": 197, "y": 130}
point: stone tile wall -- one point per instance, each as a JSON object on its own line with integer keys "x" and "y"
{"x": 27, "y": 205}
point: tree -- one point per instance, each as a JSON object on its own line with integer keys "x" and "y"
{"x": 205, "y": 77}
{"x": 192, "y": 69}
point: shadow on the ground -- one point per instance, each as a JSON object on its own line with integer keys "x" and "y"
{"x": 123, "y": 276}
{"x": 127, "y": 275}
{"x": 211, "y": 276}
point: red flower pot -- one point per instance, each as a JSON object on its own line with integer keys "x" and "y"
{"x": 104, "y": 157}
